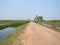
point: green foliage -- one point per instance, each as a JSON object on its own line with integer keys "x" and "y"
{"x": 11, "y": 38}
{"x": 12, "y": 23}
{"x": 38, "y": 18}
{"x": 53, "y": 23}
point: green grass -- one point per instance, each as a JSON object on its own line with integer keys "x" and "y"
{"x": 53, "y": 23}
{"x": 10, "y": 38}
{"x": 11, "y": 23}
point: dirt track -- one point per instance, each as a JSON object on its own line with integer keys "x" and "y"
{"x": 36, "y": 34}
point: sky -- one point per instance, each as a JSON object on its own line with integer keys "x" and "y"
{"x": 28, "y": 9}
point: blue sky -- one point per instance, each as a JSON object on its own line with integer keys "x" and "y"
{"x": 28, "y": 9}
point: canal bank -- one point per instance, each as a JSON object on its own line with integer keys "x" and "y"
{"x": 11, "y": 38}
{"x": 5, "y": 32}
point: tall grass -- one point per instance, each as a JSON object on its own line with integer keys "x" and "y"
{"x": 11, "y": 23}
{"x": 11, "y": 38}
{"x": 53, "y": 23}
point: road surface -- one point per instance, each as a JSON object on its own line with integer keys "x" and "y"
{"x": 36, "y": 34}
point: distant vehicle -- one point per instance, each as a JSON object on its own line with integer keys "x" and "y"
{"x": 34, "y": 21}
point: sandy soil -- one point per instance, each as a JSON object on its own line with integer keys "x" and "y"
{"x": 36, "y": 34}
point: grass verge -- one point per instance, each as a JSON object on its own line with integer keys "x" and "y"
{"x": 10, "y": 38}
{"x": 53, "y": 25}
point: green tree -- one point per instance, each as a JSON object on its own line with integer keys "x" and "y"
{"x": 38, "y": 18}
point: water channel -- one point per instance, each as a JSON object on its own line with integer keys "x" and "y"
{"x": 5, "y": 32}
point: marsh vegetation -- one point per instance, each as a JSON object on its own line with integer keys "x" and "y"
{"x": 11, "y": 23}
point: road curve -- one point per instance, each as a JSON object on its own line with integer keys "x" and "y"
{"x": 36, "y": 34}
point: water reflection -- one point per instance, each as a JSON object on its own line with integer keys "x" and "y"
{"x": 5, "y": 32}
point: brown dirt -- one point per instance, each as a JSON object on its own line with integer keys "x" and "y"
{"x": 36, "y": 34}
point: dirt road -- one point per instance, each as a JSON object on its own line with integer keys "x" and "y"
{"x": 36, "y": 34}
